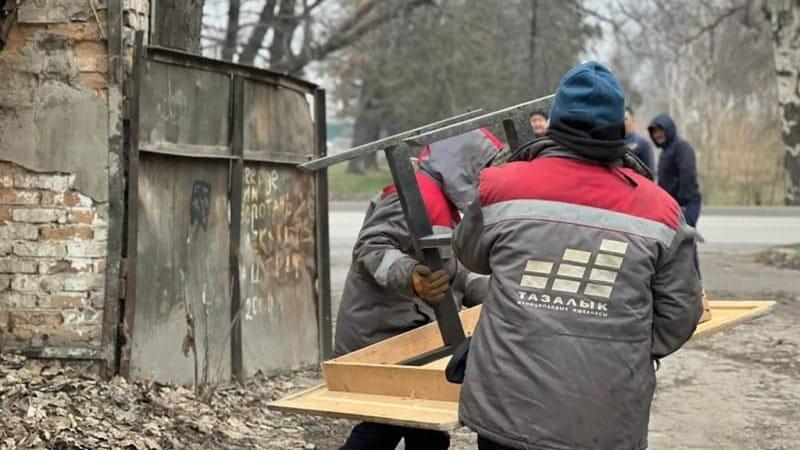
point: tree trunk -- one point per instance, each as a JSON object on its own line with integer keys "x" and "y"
{"x": 785, "y": 18}
{"x": 366, "y": 129}
{"x": 283, "y": 30}
{"x": 256, "y": 39}
{"x": 232, "y": 32}
{"x": 178, "y": 24}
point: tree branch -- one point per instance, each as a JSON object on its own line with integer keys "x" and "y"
{"x": 256, "y": 39}
{"x": 713, "y": 24}
{"x": 229, "y": 47}
{"x": 351, "y": 31}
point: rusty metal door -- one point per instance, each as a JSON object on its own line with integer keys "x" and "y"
{"x": 227, "y": 240}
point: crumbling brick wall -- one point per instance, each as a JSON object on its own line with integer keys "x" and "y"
{"x": 60, "y": 151}
{"x": 52, "y": 260}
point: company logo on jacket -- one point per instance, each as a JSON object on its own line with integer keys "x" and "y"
{"x": 581, "y": 282}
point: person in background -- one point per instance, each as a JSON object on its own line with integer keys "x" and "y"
{"x": 538, "y": 120}
{"x": 388, "y": 292}
{"x": 591, "y": 280}
{"x": 677, "y": 174}
{"x": 636, "y": 143}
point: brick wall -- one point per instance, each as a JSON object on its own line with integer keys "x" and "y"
{"x": 56, "y": 110}
{"x": 52, "y": 260}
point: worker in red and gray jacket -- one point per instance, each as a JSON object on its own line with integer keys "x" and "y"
{"x": 592, "y": 280}
{"x": 387, "y": 291}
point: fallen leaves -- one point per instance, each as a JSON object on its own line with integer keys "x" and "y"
{"x": 46, "y": 404}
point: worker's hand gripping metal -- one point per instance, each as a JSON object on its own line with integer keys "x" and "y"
{"x": 429, "y": 285}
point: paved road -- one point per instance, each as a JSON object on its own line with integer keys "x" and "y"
{"x": 746, "y": 228}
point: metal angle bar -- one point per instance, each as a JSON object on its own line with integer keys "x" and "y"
{"x": 183, "y": 153}
{"x": 380, "y": 144}
{"x": 236, "y": 194}
{"x": 274, "y": 158}
{"x": 323, "y": 239}
{"x": 476, "y": 122}
{"x": 178, "y": 57}
{"x": 511, "y": 134}
{"x": 436, "y": 240}
{"x": 399, "y": 159}
{"x": 428, "y": 357}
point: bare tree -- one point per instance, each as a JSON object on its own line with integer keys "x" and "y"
{"x": 784, "y": 15}
{"x": 178, "y": 24}
{"x": 286, "y": 35}
{"x": 700, "y": 61}
{"x": 232, "y": 31}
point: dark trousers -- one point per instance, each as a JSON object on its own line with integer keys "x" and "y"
{"x": 486, "y": 444}
{"x": 691, "y": 211}
{"x": 378, "y": 436}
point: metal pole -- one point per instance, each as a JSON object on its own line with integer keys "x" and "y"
{"x": 380, "y": 144}
{"x": 323, "y": 244}
{"x": 236, "y": 193}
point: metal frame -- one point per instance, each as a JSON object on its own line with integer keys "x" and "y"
{"x": 237, "y": 156}
{"x": 398, "y": 149}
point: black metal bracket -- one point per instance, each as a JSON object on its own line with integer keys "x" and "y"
{"x": 399, "y": 159}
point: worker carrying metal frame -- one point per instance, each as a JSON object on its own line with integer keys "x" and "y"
{"x": 388, "y": 291}
{"x": 592, "y": 280}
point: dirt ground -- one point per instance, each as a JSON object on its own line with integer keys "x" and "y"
{"x": 739, "y": 389}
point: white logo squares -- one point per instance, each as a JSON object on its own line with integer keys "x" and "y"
{"x": 539, "y": 266}
{"x": 573, "y": 268}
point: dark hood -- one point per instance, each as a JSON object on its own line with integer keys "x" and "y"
{"x": 665, "y": 122}
{"x": 454, "y": 163}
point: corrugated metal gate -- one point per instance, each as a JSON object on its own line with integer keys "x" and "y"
{"x": 221, "y": 225}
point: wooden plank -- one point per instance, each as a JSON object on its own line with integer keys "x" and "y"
{"x": 410, "y": 344}
{"x": 385, "y": 393}
{"x": 277, "y": 273}
{"x": 183, "y": 206}
{"x": 728, "y": 313}
{"x": 171, "y": 113}
{"x": 396, "y": 381}
{"x": 416, "y": 413}
{"x": 277, "y": 121}
{"x": 277, "y": 270}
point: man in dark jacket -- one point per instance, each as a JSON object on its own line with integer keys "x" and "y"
{"x": 387, "y": 291}
{"x": 591, "y": 280}
{"x": 638, "y": 144}
{"x": 677, "y": 171}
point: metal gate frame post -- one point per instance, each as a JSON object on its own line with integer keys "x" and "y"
{"x": 236, "y": 174}
{"x": 324, "y": 320}
{"x": 128, "y": 313}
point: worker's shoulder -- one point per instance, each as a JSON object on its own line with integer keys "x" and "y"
{"x": 540, "y": 178}
{"x": 652, "y": 202}
{"x": 438, "y": 207}
{"x": 575, "y": 182}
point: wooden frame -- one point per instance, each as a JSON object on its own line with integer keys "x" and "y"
{"x": 369, "y": 384}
